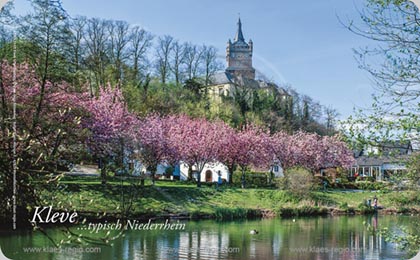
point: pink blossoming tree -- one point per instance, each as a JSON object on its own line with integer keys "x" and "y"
{"x": 112, "y": 126}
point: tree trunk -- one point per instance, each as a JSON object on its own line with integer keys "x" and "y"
{"x": 103, "y": 174}
{"x": 102, "y": 166}
{"x": 199, "y": 179}
{"x": 190, "y": 172}
{"x": 243, "y": 182}
{"x": 231, "y": 169}
{"x": 153, "y": 172}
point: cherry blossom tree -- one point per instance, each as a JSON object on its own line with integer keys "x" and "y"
{"x": 253, "y": 147}
{"x": 311, "y": 151}
{"x": 229, "y": 151}
{"x": 111, "y": 125}
{"x": 153, "y": 141}
{"x": 196, "y": 142}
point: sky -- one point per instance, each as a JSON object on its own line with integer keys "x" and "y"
{"x": 300, "y": 43}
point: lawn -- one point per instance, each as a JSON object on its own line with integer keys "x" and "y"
{"x": 88, "y": 196}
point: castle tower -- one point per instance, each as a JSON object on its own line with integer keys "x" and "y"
{"x": 239, "y": 56}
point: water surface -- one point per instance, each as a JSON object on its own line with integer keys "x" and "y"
{"x": 344, "y": 237}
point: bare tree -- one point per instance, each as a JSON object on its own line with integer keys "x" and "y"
{"x": 331, "y": 116}
{"x": 177, "y": 60}
{"x": 210, "y": 62}
{"x": 193, "y": 55}
{"x": 163, "y": 51}
{"x": 96, "y": 40}
{"x": 119, "y": 38}
{"x": 140, "y": 42}
{"x": 77, "y": 27}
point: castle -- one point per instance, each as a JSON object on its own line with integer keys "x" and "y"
{"x": 239, "y": 56}
{"x": 239, "y": 71}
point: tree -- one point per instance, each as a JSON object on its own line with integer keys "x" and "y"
{"x": 331, "y": 116}
{"x": 140, "y": 42}
{"x": 163, "y": 51}
{"x": 196, "y": 141}
{"x": 97, "y": 59}
{"x": 153, "y": 141}
{"x": 39, "y": 149}
{"x": 229, "y": 152}
{"x": 44, "y": 30}
{"x": 75, "y": 46}
{"x": 119, "y": 40}
{"x": 253, "y": 145}
{"x": 211, "y": 63}
{"x": 193, "y": 57}
{"x": 394, "y": 67}
{"x": 111, "y": 125}
{"x": 250, "y": 146}
{"x": 177, "y": 60}
{"x": 311, "y": 151}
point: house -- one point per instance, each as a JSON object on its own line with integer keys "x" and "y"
{"x": 209, "y": 174}
{"x": 381, "y": 162}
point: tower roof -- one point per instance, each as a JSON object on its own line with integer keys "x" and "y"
{"x": 239, "y": 36}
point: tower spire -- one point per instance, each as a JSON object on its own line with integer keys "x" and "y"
{"x": 239, "y": 36}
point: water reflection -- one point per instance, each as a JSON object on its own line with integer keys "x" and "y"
{"x": 306, "y": 238}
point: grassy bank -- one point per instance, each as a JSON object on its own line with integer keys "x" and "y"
{"x": 178, "y": 199}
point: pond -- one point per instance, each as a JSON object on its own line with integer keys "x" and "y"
{"x": 344, "y": 237}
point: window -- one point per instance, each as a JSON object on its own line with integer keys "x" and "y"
{"x": 276, "y": 168}
{"x": 220, "y": 91}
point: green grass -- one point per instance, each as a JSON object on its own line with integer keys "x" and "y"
{"x": 88, "y": 196}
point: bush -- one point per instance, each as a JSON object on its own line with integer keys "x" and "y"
{"x": 299, "y": 181}
{"x": 408, "y": 198}
{"x": 252, "y": 179}
{"x": 305, "y": 210}
{"x": 368, "y": 185}
{"x": 235, "y": 213}
{"x": 345, "y": 207}
{"x": 364, "y": 208}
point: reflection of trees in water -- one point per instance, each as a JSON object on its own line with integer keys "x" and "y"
{"x": 276, "y": 238}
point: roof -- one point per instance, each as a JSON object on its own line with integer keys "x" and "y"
{"x": 221, "y": 78}
{"x": 227, "y": 78}
{"x": 239, "y": 35}
{"x": 380, "y": 160}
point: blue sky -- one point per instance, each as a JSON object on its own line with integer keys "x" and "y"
{"x": 300, "y": 43}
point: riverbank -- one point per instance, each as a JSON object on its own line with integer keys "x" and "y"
{"x": 119, "y": 199}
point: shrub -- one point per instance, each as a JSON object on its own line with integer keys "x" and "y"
{"x": 364, "y": 208}
{"x": 407, "y": 198}
{"x": 252, "y": 179}
{"x": 368, "y": 185}
{"x": 235, "y": 213}
{"x": 299, "y": 181}
{"x": 305, "y": 210}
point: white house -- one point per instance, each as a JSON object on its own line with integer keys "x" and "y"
{"x": 210, "y": 173}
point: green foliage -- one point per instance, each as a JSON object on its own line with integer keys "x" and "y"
{"x": 302, "y": 211}
{"x": 370, "y": 185}
{"x": 364, "y": 208}
{"x": 407, "y": 198}
{"x": 298, "y": 181}
{"x": 413, "y": 174}
{"x": 406, "y": 239}
{"x": 234, "y": 213}
{"x": 252, "y": 179}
